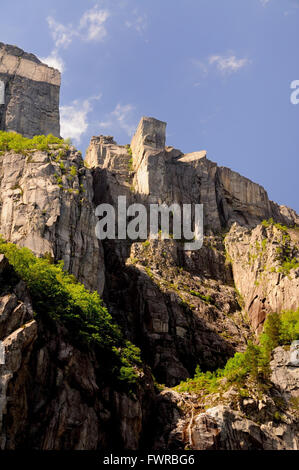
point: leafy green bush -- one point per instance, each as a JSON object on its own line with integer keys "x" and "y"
{"x": 206, "y": 298}
{"x": 271, "y": 333}
{"x": 280, "y": 329}
{"x": 270, "y": 223}
{"x": 128, "y": 147}
{"x": 56, "y": 295}
{"x": 73, "y": 171}
{"x": 19, "y": 144}
{"x": 288, "y": 264}
{"x": 289, "y": 329}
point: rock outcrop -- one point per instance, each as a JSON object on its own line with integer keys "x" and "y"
{"x": 265, "y": 263}
{"x": 29, "y": 94}
{"x": 46, "y": 204}
{"x": 164, "y": 174}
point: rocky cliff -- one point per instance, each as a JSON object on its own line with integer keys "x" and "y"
{"x": 182, "y": 308}
{"x": 46, "y": 204}
{"x": 29, "y": 94}
{"x": 164, "y": 174}
{"x": 230, "y": 421}
{"x": 52, "y": 395}
{"x": 265, "y": 263}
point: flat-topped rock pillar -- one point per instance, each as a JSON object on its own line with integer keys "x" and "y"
{"x": 150, "y": 133}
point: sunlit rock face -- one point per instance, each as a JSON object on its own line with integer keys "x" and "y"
{"x": 29, "y": 94}
{"x": 51, "y": 212}
{"x": 162, "y": 174}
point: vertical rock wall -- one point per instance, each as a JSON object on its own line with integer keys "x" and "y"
{"x": 29, "y": 94}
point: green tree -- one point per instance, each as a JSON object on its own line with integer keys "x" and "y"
{"x": 271, "y": 334}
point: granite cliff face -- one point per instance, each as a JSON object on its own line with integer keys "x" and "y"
{"x": 167, "y": 175}
{"x": 46, "y": 205}
{"x": 160, "y": 174}
{"x": 29, "y": 94}
{"x": 182, "y": 308}
{"x": 265, "y": 263}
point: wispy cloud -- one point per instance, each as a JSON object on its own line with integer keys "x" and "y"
{"x": 228, "y": 64}
{"x": 225, "y": 64}
{"x": 120, "y": 119}
{"x": 91, "y": 27}
{"x": 92, "y": 24}
{"x": 61, "y": 34}
{"x": 74, "y": 118}
{"x": 137, "y": 21}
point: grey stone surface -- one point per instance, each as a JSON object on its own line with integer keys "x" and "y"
{"x": 257, "y": 258}
{"x": 164, "y": 174}
{"x": 30, "y": 96}
{"x": 294, "y": 354}
{"x": 227, "y": 421}
{"x": 45, "y": 208}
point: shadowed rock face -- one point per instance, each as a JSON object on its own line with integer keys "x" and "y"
{"x": 51, "y": 393}
{"x": 29, "y": 103}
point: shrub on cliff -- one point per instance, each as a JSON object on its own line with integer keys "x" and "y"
{"x": 280, "y": 329}
{"x": 254, "y": 363}
{"x": 19, "y": 144}
{"x": 57, "y": 295}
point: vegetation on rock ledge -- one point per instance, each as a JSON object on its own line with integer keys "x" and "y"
{"x": 58, "y": 296}
{"x": 254, "y": 363}
{"x": 19, "y": 144}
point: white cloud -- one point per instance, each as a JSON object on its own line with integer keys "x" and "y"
{"x": 92, "y": 24}
{"x": 225, "y": 64}
{"x": 121, "y": 118}
{"x": 61, "y": 34}
{"x": 228, "y": 64}
{"x": 137, "y": 22}
{"x": 54, "y": 60}
{"x": 74, "y": 118}
{"x": 91, "y": 27}
{"x": 264, "y": 2}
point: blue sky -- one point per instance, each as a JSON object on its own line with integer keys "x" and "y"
{"x": 218, "y": 72}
